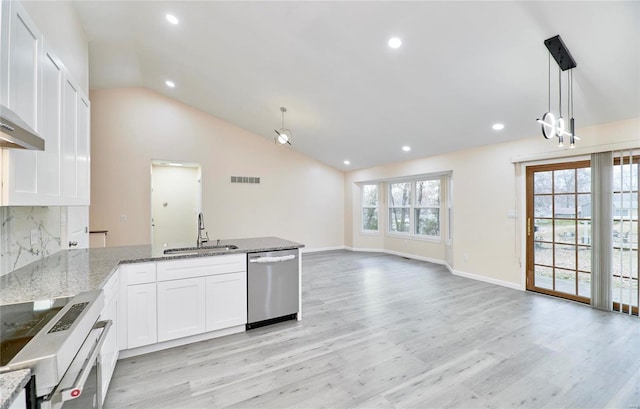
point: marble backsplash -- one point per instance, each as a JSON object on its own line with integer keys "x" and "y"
{"x": 17, "y": 248}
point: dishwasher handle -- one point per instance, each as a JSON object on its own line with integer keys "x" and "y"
{"x": 264, "y": 260}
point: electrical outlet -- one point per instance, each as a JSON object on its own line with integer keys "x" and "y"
{"x": 35, "y": 237}
{"x": 123, "y": 218}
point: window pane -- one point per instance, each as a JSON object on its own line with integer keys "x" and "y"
{"x": 584, "y": 258}
{"x": 370, "y": 195}
{"x": 542, "y": 206}
{"x": 584, "y": 232}
{"x": 400, "y": 194}
{"x": 584, "y": 284}
{"x": 542, "y": 230}
{"x": 399, "y": 220}
{"x": 584, "y": 179}
{"x": 543, "y": 254}
{"x": 584, "y": 206}
{"x": 428, "y": 193}
{"x": 542, "y": 182}
{"x": 565, "y": 256}
{"x": 543, "y": 277}
{"x": 625, "y": 262}
{"x": 565, "y": 281}
{"x": 565, "y": 231}
{"x": 565, "y": 206}
{"x": 564, "y": 181}
{"x": 625, "y": 206}
{"x": 428, "y": 222}
{"x": 625, "y": 176}
{"x": 370, "y": 219}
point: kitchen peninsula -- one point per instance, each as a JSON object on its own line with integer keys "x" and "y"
{"x": 154, "y": 300}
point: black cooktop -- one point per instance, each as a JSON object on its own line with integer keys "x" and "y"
{"x": 19, "y": 323}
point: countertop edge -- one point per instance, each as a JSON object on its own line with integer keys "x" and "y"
{"x": 11, "y": 384}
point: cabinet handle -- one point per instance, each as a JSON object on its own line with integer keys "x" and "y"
{"x": 73, "y": 243}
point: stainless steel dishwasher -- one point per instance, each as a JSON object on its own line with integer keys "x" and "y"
{"x": 272, "y": 287}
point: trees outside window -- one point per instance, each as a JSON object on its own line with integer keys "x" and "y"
{"x": 370, "y": 208}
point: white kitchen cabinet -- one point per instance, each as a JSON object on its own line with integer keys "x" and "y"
{"x": 137, "y": 308}
{"x": 142, "y": 315}
{"x": 20, "y": 70}
{"x": 181, "y": 308}
{"x": 109, "y": 351}
{"x": 226, "y": 300}
{"x": 36, "y": 86}
{"x": 20, "y": 91}
{"x": 75, "y": 144}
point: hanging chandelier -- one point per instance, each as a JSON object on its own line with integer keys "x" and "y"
{"x": 283, "y": 135}
{"x": 552, "y": 126}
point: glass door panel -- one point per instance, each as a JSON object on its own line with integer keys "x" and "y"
{"x": 559, "y": 230}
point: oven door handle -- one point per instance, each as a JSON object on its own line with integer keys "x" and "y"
{"x": 75, "y": 390}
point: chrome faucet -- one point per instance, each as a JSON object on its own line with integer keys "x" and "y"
{"x": 201, "y": 240}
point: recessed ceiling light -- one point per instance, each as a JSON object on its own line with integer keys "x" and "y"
{"x": 172, "y": 19}
{"x": 170, "y": 84}
{"x": 498, "y": 127}
{"x": 346, "y": 162}
{"x": 395, "y": 42}
{"x": 406, "y": 148}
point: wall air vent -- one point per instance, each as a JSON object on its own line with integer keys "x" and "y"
{"x": 245, "y": 179}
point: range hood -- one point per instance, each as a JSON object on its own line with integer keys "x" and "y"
{"x": 16, "y": 134}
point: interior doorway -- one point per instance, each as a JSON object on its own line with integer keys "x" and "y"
{"x": 175, "y": 203}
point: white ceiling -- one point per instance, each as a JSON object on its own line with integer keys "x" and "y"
{"x": 462, "y": 67}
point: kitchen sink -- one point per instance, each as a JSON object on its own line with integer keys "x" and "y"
{"x": 200, "y": 250}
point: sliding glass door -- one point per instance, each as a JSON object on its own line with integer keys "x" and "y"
{"x": 559, "y": 230}
{"x": 625, "y": 233}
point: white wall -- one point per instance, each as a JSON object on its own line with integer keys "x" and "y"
{"x": 298, "y": 198}
{"x": 486, "y": 187}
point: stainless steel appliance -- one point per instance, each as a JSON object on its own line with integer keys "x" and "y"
{"x": 272, "y": 287}
{"x": 16, "y": 134}
{"x": 58, "y": 339}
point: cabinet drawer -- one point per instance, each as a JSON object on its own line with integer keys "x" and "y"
{"x": 202, "y": 266}
{"x": 140, "y": 273}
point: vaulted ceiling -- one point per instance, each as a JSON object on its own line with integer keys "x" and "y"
{"x": 462, "y": 67}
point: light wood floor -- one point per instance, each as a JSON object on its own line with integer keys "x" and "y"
{"x": 381, "y": 331}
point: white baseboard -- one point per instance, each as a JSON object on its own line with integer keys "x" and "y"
{"x": 364, "y": 250}
{"x": 415, "y": 257}
{"x": 317, "y": 249}
{"x": 485, "y": 279}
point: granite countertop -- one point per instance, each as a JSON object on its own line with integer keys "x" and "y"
{"x": 11, "y": 383}
{"x": 70, "y": 272}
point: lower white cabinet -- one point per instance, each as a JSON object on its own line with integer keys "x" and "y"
{"x": 109, "y": 351}
{"x": 141, "y": 315}
{"x": 226, "y": 300}
{"x": 181, "y": 308}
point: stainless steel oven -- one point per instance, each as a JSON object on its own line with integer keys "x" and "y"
{"x": 58, "y": 339}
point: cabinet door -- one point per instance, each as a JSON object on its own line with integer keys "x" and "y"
{"x": 70, "y": 98}
{"x": 226, "y": 300}
{"x": 181, "y": 308}
{"x": 109, "y": 351}
{"x": 141, "y": 315}
{"x": 20, "y": 83}
{"x": 49, "y": 185}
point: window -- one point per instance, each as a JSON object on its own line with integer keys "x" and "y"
{"x": 414, "y": 208}
{"x": 427, "y": 208}
{"x": 400, "y": 207}
{"x": 370, "y": 208}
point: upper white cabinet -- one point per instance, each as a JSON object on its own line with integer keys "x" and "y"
{"x": 35, "y": 84}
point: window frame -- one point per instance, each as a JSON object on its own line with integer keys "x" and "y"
{"x": 412, "y": 207}
{"x": 363, "y": 207}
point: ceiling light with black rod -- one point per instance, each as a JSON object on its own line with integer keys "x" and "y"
{"x": 283, "y": 135}
{"x": 553, "y": 127}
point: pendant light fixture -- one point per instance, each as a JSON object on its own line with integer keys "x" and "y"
{"x": 552, "y": 126}
{"x": 283, "y": 135}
